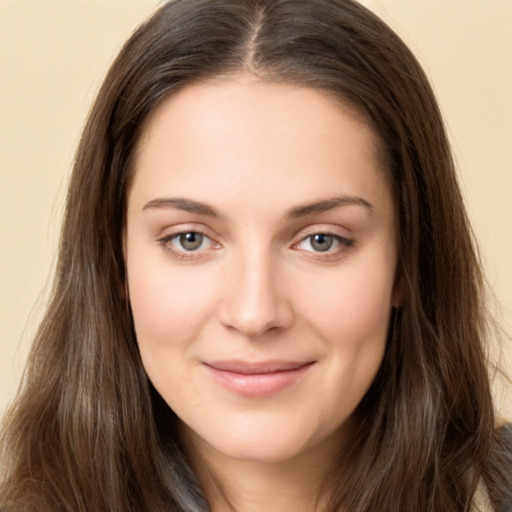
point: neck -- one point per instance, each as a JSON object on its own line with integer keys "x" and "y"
{"x": 231, "y": 484}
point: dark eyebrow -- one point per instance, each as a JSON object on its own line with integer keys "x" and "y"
{"x": 187, "y": 205}
{"x": 326, "y": 205}
{"x": 192, "y": 206}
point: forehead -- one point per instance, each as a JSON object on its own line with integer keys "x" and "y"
{"x": 200, "y": 103}
{"x": 251, "y": 132}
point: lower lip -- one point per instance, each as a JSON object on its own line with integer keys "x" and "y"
{"x": 258, "y": 385}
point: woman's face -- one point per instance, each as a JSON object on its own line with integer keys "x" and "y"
{"x": 261, "y": 255}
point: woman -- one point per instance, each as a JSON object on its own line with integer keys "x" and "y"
{"x": 267, "y": 296}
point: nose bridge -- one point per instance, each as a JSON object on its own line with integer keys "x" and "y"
{"x": 255, "y": 301}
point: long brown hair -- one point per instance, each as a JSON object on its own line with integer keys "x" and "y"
{"x": 89, "y": 433}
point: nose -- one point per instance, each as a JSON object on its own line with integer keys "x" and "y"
{"x": 254, "y": 297}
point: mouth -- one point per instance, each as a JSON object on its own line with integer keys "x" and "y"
{"x": 256, "y": 380}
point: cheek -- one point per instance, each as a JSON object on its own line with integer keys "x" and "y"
{"x": 350, "y": 313}
{"x": 357, "y": 346}
{"x": 168, "y": 312}
{"x": 170, "y": 309}
{"x": 352, "y": 307}
{"x": 165, "y": 301}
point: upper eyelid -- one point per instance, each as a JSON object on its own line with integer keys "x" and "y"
{"x": 323, "y": 229}
{"x": 172, "y": 236}
{"x": 172, "y": 231}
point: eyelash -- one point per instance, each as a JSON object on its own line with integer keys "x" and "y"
{"x": 342, "y": 244}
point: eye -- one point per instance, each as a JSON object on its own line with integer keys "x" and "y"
{"x": 190, "y": 241}
{"x": 185, "y": 244}
{"x": 323, "y": 242}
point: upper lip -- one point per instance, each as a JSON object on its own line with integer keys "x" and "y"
{"x": 256, "y": 368}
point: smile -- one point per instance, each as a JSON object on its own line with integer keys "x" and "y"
{"x": 256, "y": 380}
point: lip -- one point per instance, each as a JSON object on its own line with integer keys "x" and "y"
{"x": 257, "y": 379}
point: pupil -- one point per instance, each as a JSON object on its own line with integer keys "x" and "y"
{"x": 191, "y": 241}
{"x": 321, "y": 242}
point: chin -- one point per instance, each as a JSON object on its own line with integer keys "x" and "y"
{"x": 262, "y": 441}
{"x": 268, "y": 450}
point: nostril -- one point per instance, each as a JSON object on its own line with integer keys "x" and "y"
{"x": 256, "y": 314}
{"x": 254, "y": 300}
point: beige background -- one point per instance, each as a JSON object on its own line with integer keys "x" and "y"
{"x": 53, "y": 55}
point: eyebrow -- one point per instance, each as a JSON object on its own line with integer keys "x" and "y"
{"x": 327, "y": 205}
{"x": 189, "y": 205}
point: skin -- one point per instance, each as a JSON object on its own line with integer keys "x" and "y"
{"x": 257, "y": 288}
